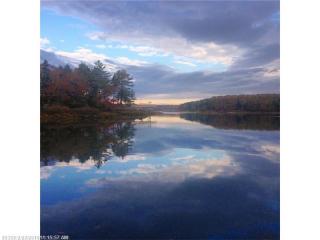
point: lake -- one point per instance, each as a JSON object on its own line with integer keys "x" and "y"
{"x": 184, "y": 176}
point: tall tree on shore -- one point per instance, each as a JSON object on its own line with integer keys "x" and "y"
{"x": 99, "y": 83}
{"x": 45, "y": 82}
{"x": 122, "y": 84}
{"x": 44, "y": 75}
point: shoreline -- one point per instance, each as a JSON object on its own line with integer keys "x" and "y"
{"x": 63, "y": 116}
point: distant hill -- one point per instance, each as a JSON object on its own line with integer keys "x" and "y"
{"x": 235, "y": 103}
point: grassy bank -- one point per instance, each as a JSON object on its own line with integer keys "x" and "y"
{"x": 62, "y": 115}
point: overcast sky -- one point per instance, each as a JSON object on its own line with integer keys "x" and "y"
{"x": 176, "y": 50}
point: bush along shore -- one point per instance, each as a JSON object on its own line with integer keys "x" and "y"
{"x": 86, "y": 94}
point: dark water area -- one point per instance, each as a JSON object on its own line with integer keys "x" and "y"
{"x": 166, "y": 177}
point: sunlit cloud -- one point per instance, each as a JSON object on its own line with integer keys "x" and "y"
{"x": 83, "y": 54}
{"x": 131, "y": 62}
{"x": 178, "y": 47}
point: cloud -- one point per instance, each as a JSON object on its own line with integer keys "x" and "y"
{"x": 165, "y": 82}
{"x": 44, "y": 42}
{"x": 156, "y": 81}
{"x": 83, "y": 54}
{"x": 185, "y": 63}
{"x": 271, "y": 151}
{"x": 177, "y": 172}
{"x": 259, "y": 56}
{"x": 87, "y": 55}
{"x": 136, "y": 157}
{"x": 177, "y": 46}
{"x": 212, "y": 31}
{"x": 143, "y": 50}
{"x": 221, "y": 22}
{"x": 46, "y": 171}
{"x": 102, "y": 46}
{"x": 242, "y": 36}
{"x": 130, "y": 62}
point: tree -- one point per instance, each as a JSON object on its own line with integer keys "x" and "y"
{"x": 84, "y": 86}
{"x": 45, "y": 82}
{"x": 68, "y": 88}
{"x": 123, "y": 87}
{"x": 99, "y": 84}
{"x": 44, "y": 75}
{"x": 84, "y": 70}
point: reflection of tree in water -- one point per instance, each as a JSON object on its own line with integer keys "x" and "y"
{"x": 95, "y": 143}
{"x": 236, "y": 121}
{"x": 123, "y": 134}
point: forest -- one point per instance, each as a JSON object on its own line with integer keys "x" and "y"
{"x": 259, "y": 103}
{"x": 84, "y": 93}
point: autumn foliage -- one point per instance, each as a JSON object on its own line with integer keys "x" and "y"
{"x": 85, "y": 86}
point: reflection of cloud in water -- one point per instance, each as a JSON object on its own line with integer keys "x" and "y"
{"x": 46, "y": 171}
{"x": 178, "y": 181}
{"x": 177, "y": 170}
{"x": 128, "y": 158}
{"x": 226, "y": 207}
{"x": 271, "y": 151}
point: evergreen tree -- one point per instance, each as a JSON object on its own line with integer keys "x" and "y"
{"x": 44, "y": 75}
{"x": 99, "y": 83}
{"x": 123, "y": 87}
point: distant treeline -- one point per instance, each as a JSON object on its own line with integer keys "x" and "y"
{"x": 235, "y": 103}
{"x": 158, "y": 108}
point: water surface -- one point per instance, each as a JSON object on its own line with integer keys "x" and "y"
{"x": 168, "y": 177}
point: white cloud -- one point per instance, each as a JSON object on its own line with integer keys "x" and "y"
{"x": 271, "y": 151}
{"x": 83, "y": 54}
{"x": 102, "y": 46}
{"x": 147, "y": 51}
{"x": 87, "y": 55}
{"x": 210, "y": 52}
{"x": 46, "y": 171}
{"x": 185, "y": 63}
{"x": 136, "y": 157}
{"x": 127, "y": 61}
{"x": 175, "y": 172}
{"x": 44, "y": 42}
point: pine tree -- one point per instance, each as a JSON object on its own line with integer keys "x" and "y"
{"x": 44, "y": 75}
{"x": 99, "y": 83}
{"x": 123, "y": 87}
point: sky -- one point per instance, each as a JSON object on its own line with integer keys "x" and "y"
{"x": 177, "y": 51}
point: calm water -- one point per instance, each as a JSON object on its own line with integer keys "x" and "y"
{"x": 171, "y": 177}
